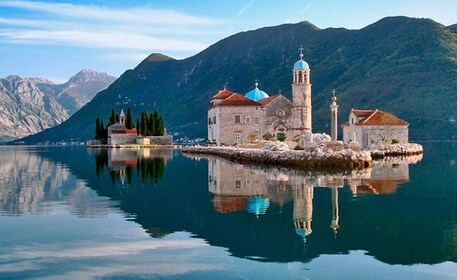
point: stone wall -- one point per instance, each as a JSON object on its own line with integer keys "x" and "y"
{"x": 228, "y": 128}
{"x": 116, "y": 139}
{"x": 374, "y": 134}
{"x": 160, "y": 140}
{"x": 275, "y": 120}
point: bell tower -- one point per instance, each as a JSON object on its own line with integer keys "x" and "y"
{"x": 301, "y": 97}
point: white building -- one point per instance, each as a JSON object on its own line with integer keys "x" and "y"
{"x": 373, "y": 127}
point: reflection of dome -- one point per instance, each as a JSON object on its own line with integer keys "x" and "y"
{"x": 258, "y": 205}
{"x": 256, "y": 94}
{"x": 303, "y": 232}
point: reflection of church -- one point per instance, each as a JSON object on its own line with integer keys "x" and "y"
{"x": 240, "y": 188}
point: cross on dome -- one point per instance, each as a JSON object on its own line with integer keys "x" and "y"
{"x": 301, "y": 51}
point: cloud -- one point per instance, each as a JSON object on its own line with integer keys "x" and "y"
{"x": 245, "y": 8}
{"x": 90, "y": 26}
{"x": 144, "y": 15}
{"x": 101, "y": 40}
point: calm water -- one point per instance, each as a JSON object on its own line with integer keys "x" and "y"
{"x": 79, "y": 214}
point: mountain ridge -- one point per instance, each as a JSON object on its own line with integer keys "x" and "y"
{"x": 30, "y": 105}
{"x": 406, "y": 66}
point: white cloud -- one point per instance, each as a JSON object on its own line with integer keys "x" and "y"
{"x": 101, "y": 40}
{"x": 144, "y": 15}
{"x": 89, "y": 26}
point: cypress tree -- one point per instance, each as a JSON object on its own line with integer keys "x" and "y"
{"x": 137, "y": 127}
{"x": 97, "y": 128}
{"x": 161, "y": 126}
{"x": 156, "y": 131}
{"x": 151, "y": 125}
{"x": 144, "y": 124}
{"x": 129, "y": 124}
{"x": 103, "y": 133}
{"x": 113, "y": 118}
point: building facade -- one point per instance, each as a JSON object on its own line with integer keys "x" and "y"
{"x": 236, "y": 119}
{"x": 373, "y": 127}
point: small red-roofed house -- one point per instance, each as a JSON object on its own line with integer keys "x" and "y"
{"x": 373, "y": 127}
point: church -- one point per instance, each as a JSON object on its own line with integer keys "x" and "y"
{"x": 235, "y": 119}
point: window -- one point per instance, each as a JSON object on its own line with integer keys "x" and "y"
{"x": 256, "y": 136}
{"x": 209, "y": 121}
{"x": 256, "y": 120}
{"x": 300, "y": 78}
{"x": 237, "y": 184}
{"x": 237, "y": 136}
{"x": 237, "y": 119}
{"x": 280, "y": 113}
{"x": 214, "y": 119}
{"x": 247, "y": 120}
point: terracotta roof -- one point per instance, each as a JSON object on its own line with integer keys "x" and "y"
{"x": 267, "y": 100}
{"x": 238, "y": 100}
{"x": 222, "y": 94}
{"x": 378, "y": 117}
{"x": 362, "y": 113}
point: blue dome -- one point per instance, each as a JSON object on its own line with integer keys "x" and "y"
{"x": 256, "y": 94}
{"x": 258, "y": 205}
{"x": 301, "y": 65}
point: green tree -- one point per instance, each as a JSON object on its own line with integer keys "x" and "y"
{"x": 137, "y": 127}
{"x": 129, "y": 124}
{"x": 151, "y": 125}
{"x": 97, "y": 128}
{"x": 113, "y": 118}
{"x": 144, "y": 124}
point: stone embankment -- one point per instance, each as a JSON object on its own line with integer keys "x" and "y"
{"x": 407, "y": 149}
{"x": 301, "y": 159}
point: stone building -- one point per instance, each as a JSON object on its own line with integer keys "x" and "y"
{"x": 236, "y": 119}
{"x": 373, "y": 127}
{"x": 119, "y": 134}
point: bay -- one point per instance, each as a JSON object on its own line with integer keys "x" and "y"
{"x": 73, "y": 213}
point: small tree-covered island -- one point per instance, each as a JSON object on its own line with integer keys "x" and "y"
{"x": 121, "y": 131}
{"x": 273, "y": 130}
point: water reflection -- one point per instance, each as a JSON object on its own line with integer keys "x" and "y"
{"x": 237, "y": 187}
{"x": 150, "y": 163}
{"x": 32, "y": 184}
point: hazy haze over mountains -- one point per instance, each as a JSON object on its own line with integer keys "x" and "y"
{"x": 30, "y": 105}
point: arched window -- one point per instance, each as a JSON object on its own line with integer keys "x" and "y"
{"x": 300, "y": 77}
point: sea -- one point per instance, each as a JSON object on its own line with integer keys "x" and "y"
{"x": 77, "y": 213}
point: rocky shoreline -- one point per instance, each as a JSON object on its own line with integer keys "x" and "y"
{"x": 300, "y": 159}
{"x": 406, "y": 149}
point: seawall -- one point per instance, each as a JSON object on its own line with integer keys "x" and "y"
{"x": 305, "y": 160}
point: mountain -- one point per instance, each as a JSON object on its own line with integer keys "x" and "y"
{"x": 25, "y": 109}
{"x": 30, "y": 105}
{"x": 405, "y": 66}
{"x": 79, "y": 90}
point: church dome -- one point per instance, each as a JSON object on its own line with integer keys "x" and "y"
{"x": 301, "y": 65}
{"x": 256, "y": 94}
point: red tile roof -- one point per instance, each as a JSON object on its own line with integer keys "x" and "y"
{"x": 362, "y": 113}
{"x": 238, "y": 100}
{"x": 377, "y": 117}
{"x": 267, "y": 100}
{"x": 222, "y": 94}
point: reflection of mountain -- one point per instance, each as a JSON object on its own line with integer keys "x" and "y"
{"x": 389, "y": 227}
{"x": 30, "y": 184}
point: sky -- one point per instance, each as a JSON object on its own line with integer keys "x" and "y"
{"x": 57, "y": 39}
